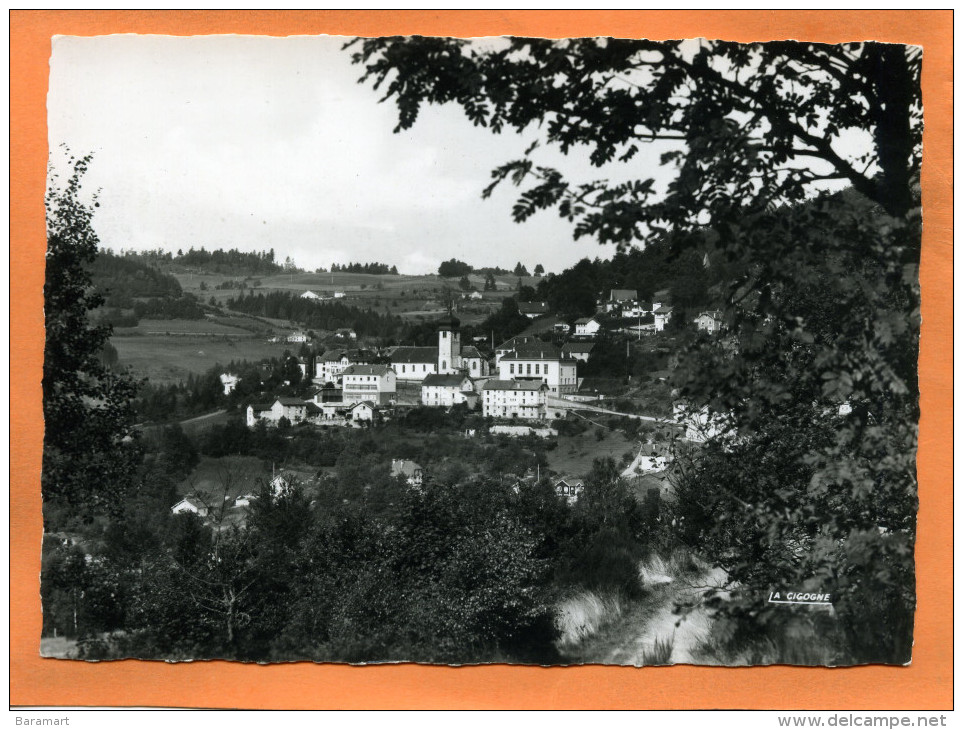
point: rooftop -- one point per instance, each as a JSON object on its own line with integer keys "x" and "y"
{"x": 450, "y": 381}
{"x": 514, "y": 385}
{"x": 366, "y": 370}
{"x": 414, "y": 355}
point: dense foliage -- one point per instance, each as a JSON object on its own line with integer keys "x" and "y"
{"x": 89, "y": 448}
{"x": 810, "y": 476}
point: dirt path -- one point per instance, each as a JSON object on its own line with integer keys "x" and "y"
{"x": 635, "y": 637}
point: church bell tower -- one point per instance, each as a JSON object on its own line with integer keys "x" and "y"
{"x": 449, "y": 345}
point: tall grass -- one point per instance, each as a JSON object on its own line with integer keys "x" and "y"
{"x": 659, "y": 655}
{"x": 584, "y": 614}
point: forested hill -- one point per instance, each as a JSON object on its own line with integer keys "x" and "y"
{"x": 122, "y": 279}
{"x": 218, "y": 261}
{"x": 688, "y": 276}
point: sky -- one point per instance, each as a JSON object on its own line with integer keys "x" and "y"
{"x": 258, "y": 143}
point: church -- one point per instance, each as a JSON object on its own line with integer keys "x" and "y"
{"x": 414, "y": 364}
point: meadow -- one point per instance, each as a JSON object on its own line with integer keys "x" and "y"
{"x": 170, "y": 359}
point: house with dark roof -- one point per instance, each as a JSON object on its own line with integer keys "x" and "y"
{"x": 444, "y": 391}
{"x": 533, "y": 310}
{"x": 570, "y": 488}
{"x": 578, "y": 350}
{"x": 662, "y": 316}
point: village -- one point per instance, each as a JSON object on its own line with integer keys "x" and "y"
{"x": 520, "y": 387}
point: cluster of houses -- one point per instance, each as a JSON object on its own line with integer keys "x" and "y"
{"x": 526, "y": 375}
{"x": 528, "y": 379}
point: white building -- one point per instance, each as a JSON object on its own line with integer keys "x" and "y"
{"x": 587, "y": 327}
{"x": 310, "y": 295}
{"x": 515, "y": 399}
{"x": 363, "y": 411}
{"x": 448, "y": 390}
{"x": 368, "y": 382}
{"x": 297, "y": 337}
{"x": 543, "y": 362}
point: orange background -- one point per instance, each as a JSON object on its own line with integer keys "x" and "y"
{"x": 926, "y": 684}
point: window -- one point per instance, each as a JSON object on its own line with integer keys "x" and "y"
{"x": 528, "y": 369}
{"x": 511, "y": 369}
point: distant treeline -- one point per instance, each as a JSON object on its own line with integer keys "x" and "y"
{"x": 352, "y": 268}
{"x": 317, "y": 315}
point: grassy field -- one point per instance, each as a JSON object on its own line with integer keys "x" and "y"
{"x": 238, "y": 474}
{"x": 575, "y": 454}
{"x": 181, "y": 326}
{"x": 167, "y": 359}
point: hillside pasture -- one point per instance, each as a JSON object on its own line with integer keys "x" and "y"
{"x": 192, "y": 327}
{"x": 575, "y": 454}
{"x": 167, "y": 359}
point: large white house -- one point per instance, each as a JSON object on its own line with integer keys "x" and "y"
{"x": 448, "y": 390}
{"x": 368, "y": 382}
{"x": 293, "y": 409}
{"x": 541, "y": 361}
{"x": 515, "y": 399}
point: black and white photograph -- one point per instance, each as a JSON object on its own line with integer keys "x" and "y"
{"x": 464, "y": 351}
